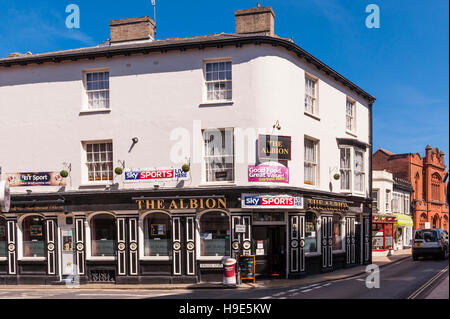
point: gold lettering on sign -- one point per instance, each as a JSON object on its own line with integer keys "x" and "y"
{"x": 194, "y": 203}
{"x": 177, "y": 204}
{"x": 173, "y": 205}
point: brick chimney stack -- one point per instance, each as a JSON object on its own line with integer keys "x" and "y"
{"x": 255, "y": 20}
{"x": 133, "y": 29}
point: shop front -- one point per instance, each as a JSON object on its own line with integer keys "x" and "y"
{"x": 163, "y": 236}
{"x": 403, "y": 231}
{"x": 383, "y": 233}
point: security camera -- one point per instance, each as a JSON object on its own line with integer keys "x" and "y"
{"x": 135, "y": 140}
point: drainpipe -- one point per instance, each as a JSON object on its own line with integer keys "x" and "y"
{"x": 370, "y": 178}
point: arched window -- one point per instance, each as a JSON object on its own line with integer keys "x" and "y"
{"x": 445, "y": 225}
{"x": 215, "y": 234}
{"x": 310, "y": 232}
{"x": 33, "y": 236}
{"x": 436, "y": 187}
{"x": 423, "y": 220}
{"x": 436, "y": 221}
{"x": 157, "y": 235}
{"x": 103, "y": 235}
{"x": 337, "y": 232}
{"x": 3, "y": 240}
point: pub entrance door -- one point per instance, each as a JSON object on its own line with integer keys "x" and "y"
{"x": 269, "y": 245}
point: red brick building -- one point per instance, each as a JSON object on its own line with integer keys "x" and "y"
{"x": 426, "y": 175}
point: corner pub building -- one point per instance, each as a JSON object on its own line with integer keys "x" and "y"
{"x": 277, "y": 163}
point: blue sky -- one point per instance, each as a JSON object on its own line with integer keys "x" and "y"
{"x": 404, "y": 63}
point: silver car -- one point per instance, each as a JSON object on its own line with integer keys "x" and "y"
{"x": 430, "y": 242}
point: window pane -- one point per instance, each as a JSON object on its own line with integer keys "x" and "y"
{"x": 33, "y": 228}
{"x": 157, "y": 235}
{"x": 310, "y": 232}
{"x": 103, "y": 233}
{"x": 214, "y": 234}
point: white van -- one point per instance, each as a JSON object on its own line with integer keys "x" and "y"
{"x": 430, "y": 242}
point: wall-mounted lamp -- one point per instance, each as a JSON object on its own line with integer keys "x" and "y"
{"x": 277, "y": 126}
{"x": 135, "y": 140}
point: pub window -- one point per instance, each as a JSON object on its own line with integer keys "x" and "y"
{"x": 97, "y": 90}
{"x": 345, "y": 169}
{"x": 311, "y": 101}
{"x": 219, "y": 155}
{"x": 214, "y": 234}
{"x": 337, "y": 233}
{"x": 103, "y": 235}
{"x": 359, "y": 171}
{"x": 2, "y": 238}
{"x": 310, "y": 232}
{"x": 33, "y": 236}
{"x": 388, "y": 200}
{"x": 350, "y": 115}
{"x": 218, "y": 81}
{"x": 157, "y": 235}
{"x": 99, "y": 161}
{"x": 311, "y": 162}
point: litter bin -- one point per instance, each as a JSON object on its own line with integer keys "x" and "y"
{"x": 229, "y": 274}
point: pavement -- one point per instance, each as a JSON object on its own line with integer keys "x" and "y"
{"x": 345, "y": 273}
{"x": 441, "y": 291}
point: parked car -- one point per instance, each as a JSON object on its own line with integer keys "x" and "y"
{"x": 430, "y": 242}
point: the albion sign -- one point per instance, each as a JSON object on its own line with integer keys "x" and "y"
{"x": 327, "y": 205}
{"x": 181, "y": 203}
{"x": 273, "y": 147}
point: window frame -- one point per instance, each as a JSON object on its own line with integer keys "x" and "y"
{"x": 205, "y": 82}
{"x": 204, "y": 166}
{"x": 349, "y": 169}
{"x": 315, "y": 98}
{"x": 21, "y": 241}
{"x": 318, "y": 234}
{"x": 142, "y": 226}
{"x": 85, "y": 100}
{"x": 199, "y": 255}
{"x": 352, "y": 116}
{"x": 376, "y": 191}
{"x": 362, "y": 172}
{"x": 84, "y": 163}
{"x": 316, "y": 164}
{"x": 88, "y": 234}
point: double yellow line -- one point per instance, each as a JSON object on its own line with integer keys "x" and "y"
{"x": 428, "y": 284}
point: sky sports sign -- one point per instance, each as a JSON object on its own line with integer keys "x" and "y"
{"x": 155, "y": 175}
{"x": 271, "y": 201}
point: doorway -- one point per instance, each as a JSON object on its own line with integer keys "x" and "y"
{"x": 269, "y": 247}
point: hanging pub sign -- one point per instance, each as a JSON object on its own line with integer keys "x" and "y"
{"x": 271, "y": 201}
{"x": 155, "y": 175}
{"x": 272, "y": 147}
{"x": 5, "y": 197}
{"x": 329, "y": 205}
{"x": 35, "y": 179}
{"x": 182, "y": 203}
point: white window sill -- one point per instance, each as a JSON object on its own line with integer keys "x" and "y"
{"x": 98, "y": 258}
{"x": 155, "y": 258}
{"x": 3, "y": 259}
{"x": 211, "y": 257}
{"x": 338, "y": 251}
{"x": 95, "y": 111}
{"x": 314, "y": 116}
{"x": 212, "y": 103}
{"x": 351, "y": 133}
{"x": 310, "y": 186}
{"x": 217, "y": 184}
{"x": 32, "y": 259}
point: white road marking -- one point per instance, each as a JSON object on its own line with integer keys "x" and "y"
{"x": 360, "y": 279}
{"x": 282, "y": 298}
{"x": 307, "y": 290}
{"x": 326, "y": 285}
{"x": 267, "y": 297}
{"x": 294, "y": 294}
{"x": 279, "y": 294}
{"x": 293, "y": 290}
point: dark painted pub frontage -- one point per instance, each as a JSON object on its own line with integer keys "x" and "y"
{"x": 180, "y": 235}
